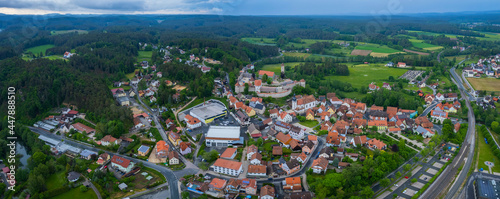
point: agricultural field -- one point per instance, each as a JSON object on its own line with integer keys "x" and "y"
{"x": 488, "y": 36}
{"x": 485, "y": 84}
{"x": 377, "y": 50}
{"x": 58, "y": 32}
{"x": 276, "y": 68}
{"x": 259, "y": 41}
{"x": 305, "y": 43}
{"x": 144, "y": 56}
{"x": 426, "y": 46}
{"x": 37, "y": 49}
{"x": 363, "y": 74}
{"x": 304, "y": 55}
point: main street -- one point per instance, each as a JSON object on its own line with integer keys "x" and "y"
{"x": 464, "y": 156}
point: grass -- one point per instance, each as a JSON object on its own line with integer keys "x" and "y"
{"x": 486, "y": 154}
{"x": 76, "y": 193}
{"x": 37, "y": 49}
{"x": 426, "y": 46}
{"x": 416, "y": 88}
{"x": 131, "y": 75}
{"x": 58, "y": 32}
{"x": 363, "y": 74}
{"x": 276, "y": 68}
{"x": 486, "y": 84}
{"x": 376, "y": 48}
{"x": 310, "y": 123}
{"x": 303, "y": 55}
{"x": 145, "y": 56}
{"x": 54, "y": 57}
{"x": 268, "y": 145}
{"x": 55, "y": 181}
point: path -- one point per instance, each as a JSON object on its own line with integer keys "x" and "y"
{"x": 177, "y": 111}
{"x": 409, "y": 140}
{"x": 94, "y": 188}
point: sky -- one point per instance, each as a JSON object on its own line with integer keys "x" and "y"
{"x": 245, "y": 7}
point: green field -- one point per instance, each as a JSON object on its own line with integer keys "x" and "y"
{"x": 58, "y": 32}
{"x": 37, "y": 49}
{"x": 76, "y": 193}
{"x": 55, "y": 180}
{"x": 54, "y": 57}
{"x": 131, "y": 75}
{"x": 259, "y": 41}
{"x": 486, "y": 154}
{"x": 485, "y": 84}
{"x": 145, "y": 56}
{"x": 276, "y": 68}
{"x": 488, "y": 36}
{"x": 376, "y": 48}
{"x": 426, "y": 46}
{"x": 305, "y": 43}
{"x": 304, "y": 55}
{"x": 362, "y": 75}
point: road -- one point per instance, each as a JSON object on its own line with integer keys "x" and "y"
{"x": 169, "y": 175}
{"x": 464, "y": 156}
{"x": 460, "y": 84}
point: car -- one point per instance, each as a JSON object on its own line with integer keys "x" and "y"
{"x": 396, "y": 185}
{"x": 404, "y": 191}
{"x": 406, "y": 177}
{"x": 106, "y": 166}
{"x": 425, "y": 178}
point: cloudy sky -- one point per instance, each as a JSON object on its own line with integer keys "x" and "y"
{"x": 244, "y": 7}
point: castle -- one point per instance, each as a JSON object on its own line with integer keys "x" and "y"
{"x": 277, "y": 89}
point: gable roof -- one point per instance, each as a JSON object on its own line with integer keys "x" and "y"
{"x": 228, "y": 153}
{"x": 120, "y": 161}
{"x": 256, "y": 169}
{"x": 227, "y": 164}
{"x": 320, "y": 162}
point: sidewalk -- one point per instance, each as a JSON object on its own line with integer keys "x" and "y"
{"x": 407, "y": 139}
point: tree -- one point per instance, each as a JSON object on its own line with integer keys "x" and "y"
{"x": 385, "y": 182}
{"x": 39, "y": 157}
{"x": 398, "y": 174}
{"x": 264, "y": 78}
{"x": 407, "y": 167}
{"x": 185, "y": 195}
{"x": 366, "y": 192}
{"x": 211, "y": 156}
{"x": 413, "y": 180}
{"x": 247, "y": 87}
{"x": 420, "y": 110}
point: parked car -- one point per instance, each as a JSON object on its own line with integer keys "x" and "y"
{"x": 406, "y": 177}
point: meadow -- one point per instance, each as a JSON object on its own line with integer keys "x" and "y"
{"x": 144, "y": 56}
{"x": 426, "y": 46}
{"x": 485, "y": 84}
{"x": 362, "y": 75}
{"x": 276, "y": 68}
{"x": 37, "y": 49}
{"x": 376, "y": 48}
{"x": 58, "y": 32}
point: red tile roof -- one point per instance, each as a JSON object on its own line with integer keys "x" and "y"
{"x": 228, "y": 153}
{"x": 120, "y": 161}
{"x": 227, "y": 164}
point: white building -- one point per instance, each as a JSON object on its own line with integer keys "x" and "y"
{"x": 222, "y": 136}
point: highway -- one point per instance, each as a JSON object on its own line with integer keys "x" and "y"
{"x": 465, "y": 155}
{"x": 169, "y": 175}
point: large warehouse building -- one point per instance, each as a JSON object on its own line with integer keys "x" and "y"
{"x": 222, "y": 136}
{"x": 209, "y": 111}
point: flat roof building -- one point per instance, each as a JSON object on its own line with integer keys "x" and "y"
{"x": 486, "y": 188}
{"x": 222, "y": 136}
{"x": 209, "y": 111}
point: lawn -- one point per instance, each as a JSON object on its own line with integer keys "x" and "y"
{"x": 310, "y": 123}
{"x": 76, "y": 193}
{"x": 268, "y": 146}
{"x": 375, "y": 48}
{"x": 303, "y": 55}
{"x": 486, "y": 84}
{"x": 276, "y": 68}
{"x": 131, "y": 75}
{"x": 426, "y": 46}
{"x": 362, "y": 75}
{"x": 37, "y": 49}
{"x": 58, "y": 32}
{"x": 486, "y": 154}
{"x": 56, "y": 180}
{"x": 145, "y": 56}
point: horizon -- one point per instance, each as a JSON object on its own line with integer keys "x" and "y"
{"x": 242, "y": 8}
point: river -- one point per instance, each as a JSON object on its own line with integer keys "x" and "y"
{"x": 20, "y": 149}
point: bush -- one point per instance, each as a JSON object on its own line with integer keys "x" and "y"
{"x": 54, "y": 192}
{"x": 83, "y": 188}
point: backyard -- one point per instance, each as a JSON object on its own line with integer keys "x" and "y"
{"x": 145, "y": 56}
{"x": 77, "y": 193}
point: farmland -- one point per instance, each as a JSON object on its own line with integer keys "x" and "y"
{"x": 304, "y": 55}
{"x": 363, "y": 74}
{"x": 376, "y": 48}
{"x": 276, "y": 68}
{"x": 486, "y": 84}
{"x": 37, "y": 49}
{"x": 426, "y": 46}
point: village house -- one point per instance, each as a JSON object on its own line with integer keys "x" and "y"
{"x": 229, "y": 153}
{"x": 293, "y": 184}
{"x": 257, "y": 170}
{"x": 267, "y": 192}
{"x": 184, "y": 148}
{"x": 122, "y": 164}
{"x": 320, "y": 165}
{"x": 376, "y": 144}
{"x": 103, "y": 158}
{"x": 143, "y": 150}
{"x": 108, "y": 140}
{"x": 227, "y": 167}
{"x": 291, "y": 166}
{"x": 192, "y": 122}
{"x": 173, "y": 158}
{"x": 162, "y": 149}
{"x": 251, "y": 150}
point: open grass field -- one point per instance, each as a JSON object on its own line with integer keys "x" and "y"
{"x": 485, "y": 84}
{"x": 304, "y": 55}
{"x": 131, "y": 75}
{"x": 488, "y": 36}
{"x": 363, "y": 74}
{"x": 37, "y": 49}
{"x": 145, "y": 56}
{"x": 276, "y": 68}
{"x": 426, "y": 46}
{"x": 486, "y": 154}
{"x": 58, "y": 32}
{"x": 55, "y": 180}
{"x": 376, "y": 48}
{"x": 259, "y": 41}
{"x": 76, "y": 193}
{"x": 54, "y": 57}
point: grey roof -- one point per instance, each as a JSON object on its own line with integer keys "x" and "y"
{"x": 143, "y": 148}
{"x": 123, "y": 99}
{"x": 73, "y": 176}
{"x": 292, "y": 163}
{"x": 208, "y": 110}
{"x": 223, "y": 132}
{"x": 252, "y": 128}
{"x": 281, "y": 160}
{"x": 122, "y": 186}
{"x": 421, "y": 130}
